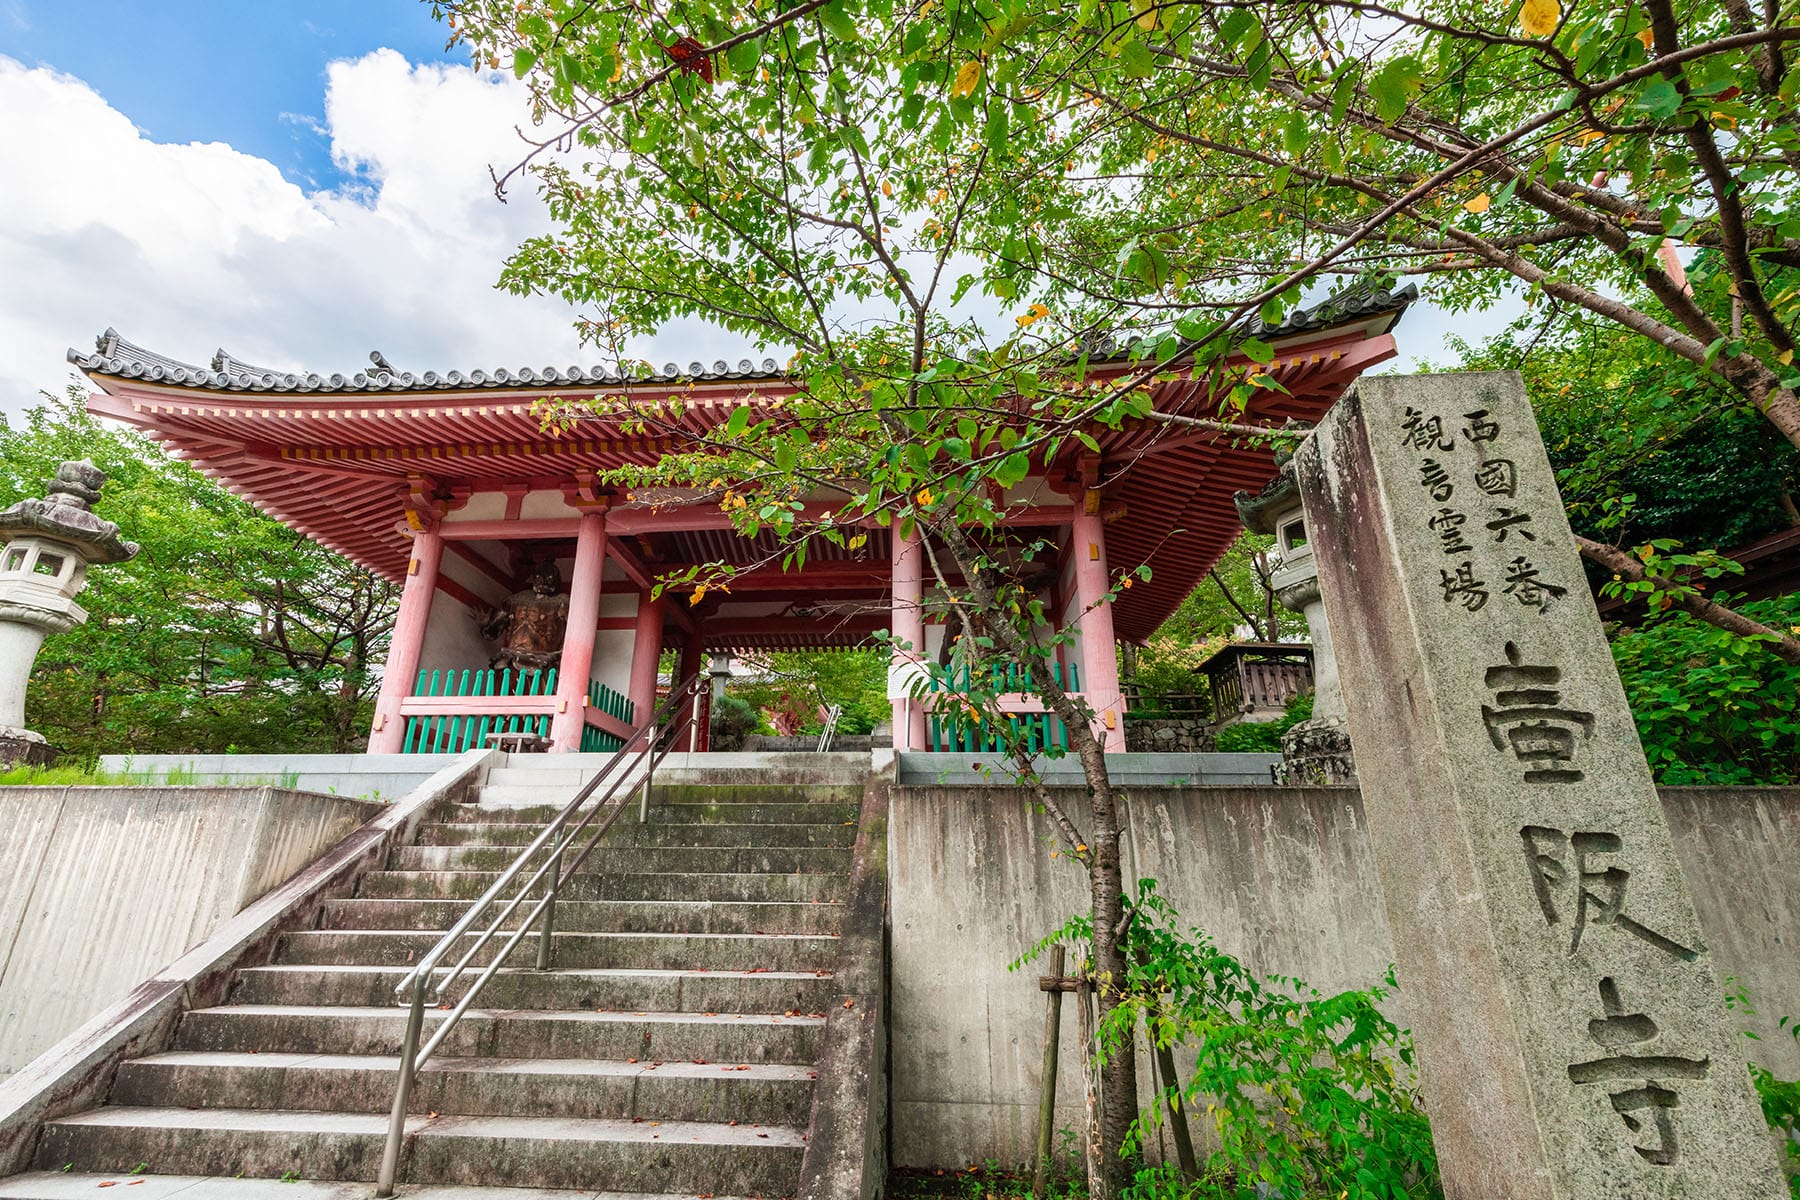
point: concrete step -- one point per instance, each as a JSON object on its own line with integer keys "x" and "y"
{"x": 600, "y": 916}
{"x": 649, "y": 1035}
{"x": 642, "y": 951}
{"x": 551, "y": 991}
{"x": 553, "y": 787}
{"x": 65, "y": 1185}
{"x": 628, "y": 832}
{"x": 764, "y": 1093}
{"x": 718, "y": 886}
{"x": 530, "y": 1151}
{"x": 656, "y": 859}
{"x": 788, "y": 811}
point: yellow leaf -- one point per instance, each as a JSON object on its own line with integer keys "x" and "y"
{"x": 1479, "y": 204}
{"x": 966, "y": 79}
{"x": 1538, "y": 18}
{"x": 1148, "y": 20}
{"x": 1647, "y": 36}
{"x": 1785, "y": 358}
{"x": 1034, "y": 314}
{"x": 887, "y": 188}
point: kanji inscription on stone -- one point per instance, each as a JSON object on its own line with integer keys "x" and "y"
{"x": 1572, "y": 1039}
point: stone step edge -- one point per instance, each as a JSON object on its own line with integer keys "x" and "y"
{"x": 277, "y": 1122}
{"x": 524, "y": 1069}
{"x": 534, "y": 973}
{"x": 398, "y": 1013}
{"x": 61, "y": 1185}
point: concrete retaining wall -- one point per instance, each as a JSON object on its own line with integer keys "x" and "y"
{"x": 103, "y": 885}
{"x": 1281, "y": 877}
{"x": 384, "y": 777}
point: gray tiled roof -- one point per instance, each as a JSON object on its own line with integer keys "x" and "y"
{"x": 115, "y": 356}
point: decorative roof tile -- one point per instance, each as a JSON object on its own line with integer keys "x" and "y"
{"x": 116, "y": 357}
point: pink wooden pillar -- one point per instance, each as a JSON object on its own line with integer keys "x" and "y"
{"x": 646, "y": 648}
{"x": 577, "y": 663}
{"x": 908, "y": 625}
{"x": 408, "y": 642}
{"x": 1099, "y": 654}
{"x": 693, "y": 661}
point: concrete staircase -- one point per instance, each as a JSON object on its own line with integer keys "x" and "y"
{"x": 672, "y": 1050}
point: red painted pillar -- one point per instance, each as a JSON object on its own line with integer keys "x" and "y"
{"x": 577, "y": 663}
{"x": 646, "y": 648}
{"x": 907, "y": 625}
{"x": 404, "y": 648}
{"x": 693, "y": 661}
{"x": 1099, "y": 654}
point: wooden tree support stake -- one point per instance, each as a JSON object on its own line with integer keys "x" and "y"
{"x": 1040, "y": 1179}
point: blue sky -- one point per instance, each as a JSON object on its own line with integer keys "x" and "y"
{"x": 247, "y": 72}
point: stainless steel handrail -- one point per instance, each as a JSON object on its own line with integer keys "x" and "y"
{"x": 643, "y": 746}
{"x": 831, "y": 723}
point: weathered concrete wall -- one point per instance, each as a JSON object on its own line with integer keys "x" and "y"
{"x": 1281, "y": 877}
{"x": 384, "y": 777}
{"x": 103, "y": 885}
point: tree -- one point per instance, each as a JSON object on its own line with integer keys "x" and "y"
{"x": 227, "y": 631}
{"x": 939, "y": 206}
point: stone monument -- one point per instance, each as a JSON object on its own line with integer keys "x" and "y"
{"x": 1573, "y": 1042}
{"x": 1317, "y": 750}
{"x": 46, "y": 547}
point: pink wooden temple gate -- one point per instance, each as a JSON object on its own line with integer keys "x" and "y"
{"x": 450, "y": 484}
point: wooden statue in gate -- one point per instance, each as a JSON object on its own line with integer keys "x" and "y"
{"x": 529, "y": 627}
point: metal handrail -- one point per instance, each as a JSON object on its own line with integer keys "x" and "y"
{"x": 645, "y": 746}
{"x": 831, "y": 723}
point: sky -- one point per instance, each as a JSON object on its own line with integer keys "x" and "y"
{"x": 296, "y": 181}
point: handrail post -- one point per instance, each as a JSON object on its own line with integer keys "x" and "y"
{"x": 409, "y": 1049}
{"x": 547, "y": 929}
{"x": 649, "y": 769}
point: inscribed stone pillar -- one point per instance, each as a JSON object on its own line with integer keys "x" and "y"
{"x": 1573, "y": 1042}
{"x": 408, "y": 642}
{"x": 1099, "y": 647}
{"x": 577, "y": 663}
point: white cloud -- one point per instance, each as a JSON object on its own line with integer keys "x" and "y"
{"x": 185, "y": 248}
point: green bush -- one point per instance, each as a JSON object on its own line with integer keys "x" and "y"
{"x": 733, "y": 721}
{"x": 1264, "y": 737}
{"x": 1711, "y": 707}
{"x": 1309, "y": 1095}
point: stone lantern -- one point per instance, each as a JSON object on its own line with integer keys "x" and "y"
{"x": 46, "y": 547}
{"x": 1316, "y": 750}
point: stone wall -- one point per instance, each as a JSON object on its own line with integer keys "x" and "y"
{"x": 1281, "y": 877}
{"x": 1169, "y": 735}
{"x": 104, "y": 885}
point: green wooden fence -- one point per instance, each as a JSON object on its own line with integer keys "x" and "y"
{"x": 960, "y": 733}
{"x": 613, "y": 704}
{"x": 454, "y": 734}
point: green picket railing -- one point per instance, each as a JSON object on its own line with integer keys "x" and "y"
{"x": 454, "y": 734}
{"x": 960, "y": 733}
{"x": 613, "y": 705}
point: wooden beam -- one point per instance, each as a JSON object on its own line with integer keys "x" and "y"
{"x": 486, "y": 566}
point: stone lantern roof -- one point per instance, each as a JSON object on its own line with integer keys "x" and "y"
{"x": 65, "y": 515}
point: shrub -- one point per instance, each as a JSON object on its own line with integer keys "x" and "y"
{"x": 733, "y": 721}
{"x": 1310, "y": 1095}
{"x": 1264, "y": 737}
{"x": 1711, "y": 707}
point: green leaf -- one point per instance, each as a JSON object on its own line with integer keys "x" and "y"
{"x": 523, "y": 61}
{"x": 1394, "y": 85}
{"x": 1660, "y": 99}
{"x": 838, "y": 22}
{"x": 1257, "y": 350}
{"x": 744, "y": 56}
{"x": 738, "y": 422}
